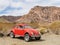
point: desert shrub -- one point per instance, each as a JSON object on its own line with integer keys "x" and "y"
{"x": 1, "y": 34}
{"x": 55, "y": 27}
{"x": 34, "y": 25}
{"x": 40, "y": 27}
{"x": 6, "y": 27}
{"x": 42, "y": 30}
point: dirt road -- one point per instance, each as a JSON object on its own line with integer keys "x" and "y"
{"x": 47, "y": 39}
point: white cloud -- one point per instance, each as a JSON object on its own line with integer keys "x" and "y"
{"x": 17, "y": 4}
{"x": 48, "y": 3}
{"x": 3, "y": 4}
{"x": 32, "y": 0}
{"x": 26, "y": 5}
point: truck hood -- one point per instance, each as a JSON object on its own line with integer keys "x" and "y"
{"x": 33, "y": 30}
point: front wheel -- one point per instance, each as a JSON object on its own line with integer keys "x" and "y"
{"x": 12, "y": 35}
{"x": 27, "y": 37}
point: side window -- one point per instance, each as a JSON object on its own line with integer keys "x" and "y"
{"x": 17, "y": 27}
{"x": 21, "y": 27}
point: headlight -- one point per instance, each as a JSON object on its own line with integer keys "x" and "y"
{"x": 39, "y": 33}
{"x": 32, "y": 33}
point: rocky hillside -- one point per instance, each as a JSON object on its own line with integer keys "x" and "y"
{"x": 10, "y": 18}
{"x": 2, "y": 20}
{"x": 41, "y": 14}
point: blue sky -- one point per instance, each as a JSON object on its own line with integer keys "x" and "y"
{"x": 21, "y": 7}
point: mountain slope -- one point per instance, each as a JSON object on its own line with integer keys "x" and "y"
{"x": 2, "y": 20}
{"x": 11, "y": 18}
{"x": 40, "y": 14}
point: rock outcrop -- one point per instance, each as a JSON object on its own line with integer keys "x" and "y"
{"x": 41, "y": 14}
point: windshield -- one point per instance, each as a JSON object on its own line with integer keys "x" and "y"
{"x": 27, "y": 26}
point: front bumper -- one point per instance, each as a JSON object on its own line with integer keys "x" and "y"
{"x": 33, "y": 36}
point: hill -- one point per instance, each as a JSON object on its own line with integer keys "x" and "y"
{"x": 11, "y": 18}
{"x": 2, "y": 20}
{"x": 40, "y": 14}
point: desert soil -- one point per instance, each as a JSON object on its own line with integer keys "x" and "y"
{"x": 47, "y": 39}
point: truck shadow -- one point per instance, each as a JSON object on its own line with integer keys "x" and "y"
{"x": 21, "y": 38}
{"x": 32, "y": 40}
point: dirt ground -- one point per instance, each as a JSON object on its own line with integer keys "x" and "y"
{"x": 47, "y": 39}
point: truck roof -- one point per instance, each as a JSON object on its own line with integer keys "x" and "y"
{"x": 22, "y": 24}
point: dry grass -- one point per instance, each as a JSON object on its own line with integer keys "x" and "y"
{"x": 55, "y": 27}
{"x": 34, "y": 25}
{"x": 40, "y": 27}
{"x": 42, "y": 30}
{"x": 6, "y": 27}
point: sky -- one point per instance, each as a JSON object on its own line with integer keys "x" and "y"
{"x": 21, "y": 7}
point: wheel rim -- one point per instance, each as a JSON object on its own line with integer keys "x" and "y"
{"x": 11, "y": 34}
{"x": 27, "y": 37}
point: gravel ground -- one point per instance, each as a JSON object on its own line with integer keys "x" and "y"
{"x": 47, "y": 39}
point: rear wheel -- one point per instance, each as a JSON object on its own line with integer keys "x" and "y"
{"x": 12, "y": 35}
{"x": 27, "y": 37}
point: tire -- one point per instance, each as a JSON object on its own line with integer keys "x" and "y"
{"x": 27, "y": 38}
{"x": 37, "y": 38}
{"x": 12, "y": 35}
